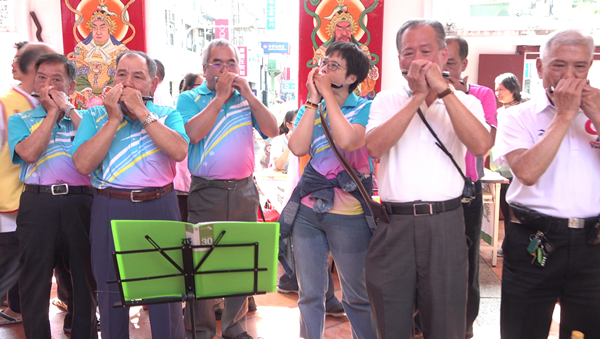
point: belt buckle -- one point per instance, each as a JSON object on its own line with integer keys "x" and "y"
{"x": 131, "y": 195}
{"x": 234, "y": 182}
{"x": 576, "y": 223}
{"x": 422, "y": 204}
{"x": 53, "y": 189}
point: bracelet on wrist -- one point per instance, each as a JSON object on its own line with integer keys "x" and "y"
{"x": 311, "y": 105}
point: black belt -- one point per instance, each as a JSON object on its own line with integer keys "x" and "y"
{"x": 223, "y": 184}
{"x": 418, "y": 208}
{"x": 523, "y": 215}
{"x": 61, "y": 189}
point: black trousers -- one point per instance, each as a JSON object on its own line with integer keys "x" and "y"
{"x": 529, "y": 293}
{"x": 473, "y": 212}
{"x": 10, "y": 269}
{"x": 48, "y": 227}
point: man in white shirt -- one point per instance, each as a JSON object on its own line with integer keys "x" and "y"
{"x": 162, "y": 96}
{"x": 551, "y": 250}
{"x": 421, "y": 256}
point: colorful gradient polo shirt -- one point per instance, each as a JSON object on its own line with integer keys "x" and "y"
{"x": 133, "y": 160}
{"x": 323, "y": 159}
{"x": 227, "y": 151}
{"x": 55, "y": 165}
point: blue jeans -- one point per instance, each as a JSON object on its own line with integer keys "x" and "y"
{"x": 347, "y": 237}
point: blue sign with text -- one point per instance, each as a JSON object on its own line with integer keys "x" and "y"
{"x": 270, "y": 14}
{"x": 275, "y": 47}
{"x": 288, "y": 86}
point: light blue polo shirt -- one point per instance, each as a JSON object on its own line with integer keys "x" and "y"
{"x": 55, "y": 165}
{"x": 227, "y": 151}
{"x": 356, "y": 110}
{"x": 133, "y": 160}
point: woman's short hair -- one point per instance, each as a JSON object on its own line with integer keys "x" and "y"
{"x": 511, "y": 83}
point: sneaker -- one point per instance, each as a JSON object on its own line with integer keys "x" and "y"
{"x": 336, "y": 311}
{"x": 68, "y": 323}
{"x": 60, "y": 304}
{"x": 286, "y": 290}
{"x": 244, "y": 335}
{"x": 251, "y": 305}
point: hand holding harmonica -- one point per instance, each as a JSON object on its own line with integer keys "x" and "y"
{"x": 567, "y": 96}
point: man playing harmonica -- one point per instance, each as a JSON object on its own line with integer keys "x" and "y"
{"x": 54, "y": 211}
{"x": 551, "y": 249}
{"x": 130, "y": 147}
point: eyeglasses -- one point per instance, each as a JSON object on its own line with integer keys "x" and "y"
{"x": 331, "y": 65}
{"x": 219, "y": 66}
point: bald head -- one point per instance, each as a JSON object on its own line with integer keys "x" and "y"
{"x": 31, "y": 52}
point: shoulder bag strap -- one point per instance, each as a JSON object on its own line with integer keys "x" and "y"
{"x": 341, "y": 158}
{"x": 440, "y": 144}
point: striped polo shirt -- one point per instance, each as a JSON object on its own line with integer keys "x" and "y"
{"x": 227, "y": 151}
{"x": 55, "y": 165}
{"x": 133, "y": 160}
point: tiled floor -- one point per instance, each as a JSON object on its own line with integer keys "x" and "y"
{"x": 276, "y": 317}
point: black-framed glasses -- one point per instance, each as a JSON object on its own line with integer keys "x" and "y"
{"x": 219, "y": 65}
{"x": 331, "y": 65}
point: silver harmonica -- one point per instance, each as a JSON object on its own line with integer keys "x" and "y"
{"x": 445, "y": 74}
{"x": 551, "y": 89}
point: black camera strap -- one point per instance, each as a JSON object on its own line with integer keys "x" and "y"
{"x": 440, "y": 144}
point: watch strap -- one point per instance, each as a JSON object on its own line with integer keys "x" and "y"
{"x": 68, "y": 110}
{"x": 152, "y": 117}
{"x": 447, "y": 91}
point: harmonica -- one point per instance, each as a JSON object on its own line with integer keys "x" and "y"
{"x": 551, "y": 89}
{"x": 445, "y": 74}
{"x": 215, "y": 79}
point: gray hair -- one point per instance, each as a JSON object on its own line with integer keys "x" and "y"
{"x": 218, "y": 43}
{"x": 567, "y": 37}
{"x": 436, "y": 25}
{"x": 149, "y": 61}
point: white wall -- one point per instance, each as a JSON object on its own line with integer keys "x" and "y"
{"x": 49, "y": 15}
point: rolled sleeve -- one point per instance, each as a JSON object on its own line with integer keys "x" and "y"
{"x": 186, "y": 106}
{"x": 17, "y": 132}
{"x": 362, "y": 118}
{"x": 86, "y": 130}
{"x": 474, "y": 106}
{"x": 175, "y": 122}
{"x": 512, "y": 135}
{"x": 488, "y": 102}
{"x": 379, "y": 111}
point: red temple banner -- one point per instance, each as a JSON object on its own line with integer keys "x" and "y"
{"x": 95, "y": 32}
{"x": 323, "y": 22}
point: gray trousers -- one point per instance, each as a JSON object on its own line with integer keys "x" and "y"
{"x": 419, "y": 259}
{"x": 218, "y": 204}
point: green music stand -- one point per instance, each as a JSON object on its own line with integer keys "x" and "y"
{"x": 156, "y": 262}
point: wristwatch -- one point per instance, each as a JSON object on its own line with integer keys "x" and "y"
{"x": 152, "y": 117}
{"x": 448, "y": 90}
{"x": 68, "y": 110}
